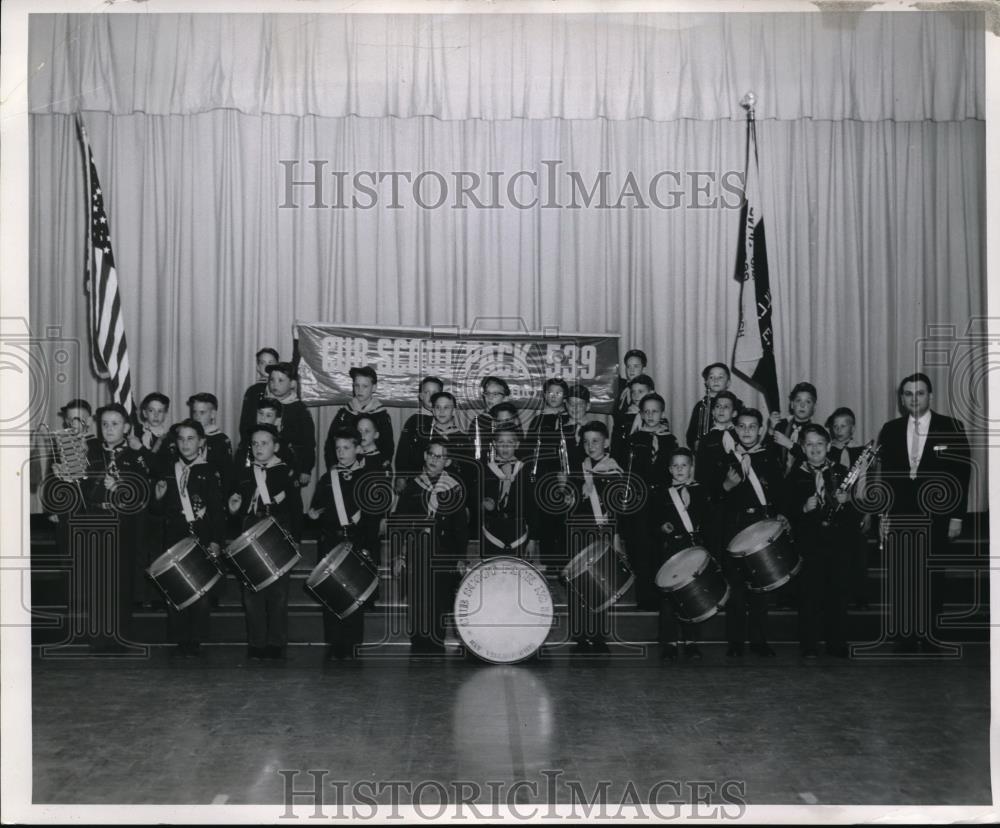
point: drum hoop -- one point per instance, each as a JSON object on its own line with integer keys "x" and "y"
{"x": 580, "y": 555}
{"x": 706, "y": 615}
{"x": 482, "y": 564}
{"x": 764, "y": 542}
{"x": 706, "y": 562}
{"x": 324, "y": 567}
{"x": 248, "y": 536}
{"x": 618, "y": 594}
{"x": 172, "y": 555}
{"x": 275, "y": 573}
{"x": 199, "y": 593}
{"x": 780, "y": 582}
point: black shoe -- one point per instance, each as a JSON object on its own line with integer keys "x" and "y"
{"x": 668, "y": 652}
{"x": 178, "y": 651}
{"x": 734, "y": 650}
{"x": 810, "y": 653}
{"x": 274, "y": 652}
{"x": 763, "y": 649}
{"x": 256, "y": 653}
{"x": 582, "y": 645}
{"x": 192, "y": 649}
{"x": 692, "y": 652}
{"x": 599, "y": 645}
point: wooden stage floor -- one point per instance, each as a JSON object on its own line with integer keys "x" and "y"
{"x": 219, "y": 729}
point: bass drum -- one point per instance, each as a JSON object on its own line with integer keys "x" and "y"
{"x": 503, "y": 610}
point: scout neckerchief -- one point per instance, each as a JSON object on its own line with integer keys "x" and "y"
{"x": 681, "y": 500}
{"x": 506, "y": 477}
{"x": 817, "y": 473}
{"x": 845, "y": 455}
{"x": 661, "y": 429}
{"x": 211, "y": 429}
{"x": 260, "y": 477}
{"x": 743, "y": 455}
{"x": 290, "y": 397}
{"x": 444, "y": 431}
{"x": 373, "y": 406}
{"x": 443, "y": 483}
{"x": 338, "y": 494}
{"x": 603, "y": 466}
{"x": 150, "y": 434}
{"x": 182, "y": 472}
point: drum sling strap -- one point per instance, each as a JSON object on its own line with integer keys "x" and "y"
{"x": 751, "y": 475}
{"x": 675, "y": 496}
{"x": 181, "y": 473}
{"x": 260, "y": 476}
{"x": 338, "y": 497}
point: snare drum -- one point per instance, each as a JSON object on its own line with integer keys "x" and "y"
{"x": 765, "y": 556}
{"x": 344, "y": 579}
{"x": 598, "y": 576}
{"x": 693, "y": 584}
{"x": 184, "y": 573}
{"x": 503, "y": 610}
{"x": 262, "y": 554}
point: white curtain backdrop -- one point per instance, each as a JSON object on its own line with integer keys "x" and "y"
{"x": 872, "y": 157}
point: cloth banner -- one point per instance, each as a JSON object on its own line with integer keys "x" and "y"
{"x": 402, "y": 356}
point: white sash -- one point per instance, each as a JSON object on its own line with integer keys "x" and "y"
{"x": 338, "y": 501}
{"x": 181, "y": 473}
{"x": 681, "y": 509}
{"x": 751, "y": 475}
{"x": 261, "y": 492}
{"x": 728, "y": 443}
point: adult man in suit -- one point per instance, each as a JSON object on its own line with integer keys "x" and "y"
{"x": 925, "y": 465}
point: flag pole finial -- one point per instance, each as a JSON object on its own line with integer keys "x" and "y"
{"x": 749, "y": 102}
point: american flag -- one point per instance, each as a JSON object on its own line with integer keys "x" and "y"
{"x": 753, "y": 352}
{"x": 107, "y": 327}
